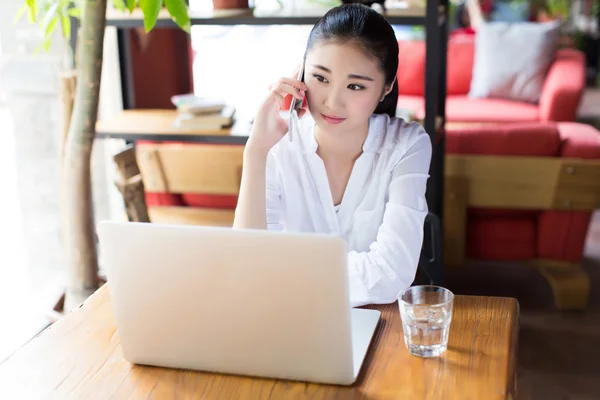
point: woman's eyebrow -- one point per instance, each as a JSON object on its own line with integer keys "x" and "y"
{"x": 363, "y": 77}
{"x": 351, "y": 76}
{"x": 322, "y": 68}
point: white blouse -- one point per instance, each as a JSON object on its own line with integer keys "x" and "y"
{"x": 383, "y": 209}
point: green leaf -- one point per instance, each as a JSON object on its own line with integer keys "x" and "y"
{"x": 50, "y": 27}
{"x": 65, "y": 23}
{"x": 131, "y": 5}
{"x": 24, "y": 8}
{"x": 119, "y": 4}
{"x": 44, "y": 45}
{"x": 33, "y": 11}
{"x": 150, "y": 8}
{"x": 50, "y": 19}
{"x": 74, "y": 12}
{"x": 179, "y": 12}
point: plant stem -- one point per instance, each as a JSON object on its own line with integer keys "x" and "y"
{"x": 77, "y": 208}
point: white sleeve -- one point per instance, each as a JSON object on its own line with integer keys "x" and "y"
{"x": 273, "y": 195}
{"x": 378, "y": 275}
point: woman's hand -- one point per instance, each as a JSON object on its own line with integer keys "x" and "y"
{"x": 269, "y": 127}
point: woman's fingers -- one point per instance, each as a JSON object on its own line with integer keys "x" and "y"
{"x": 284, "y": 87}
{"x": 293, "y": 82}
{"x": 287, "y": 86}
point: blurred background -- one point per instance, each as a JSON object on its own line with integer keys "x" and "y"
{"x": 558, "y": 354}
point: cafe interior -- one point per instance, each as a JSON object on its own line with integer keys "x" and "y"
{"x": 507, "y": 90}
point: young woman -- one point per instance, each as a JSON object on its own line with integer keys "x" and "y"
{"x": 353, "y": 169}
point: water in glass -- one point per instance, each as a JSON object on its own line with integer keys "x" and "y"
{"x": 426, "y": 313}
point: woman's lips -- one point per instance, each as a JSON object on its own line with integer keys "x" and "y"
{"x": 332, "y": 119}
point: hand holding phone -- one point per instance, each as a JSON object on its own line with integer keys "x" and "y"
{"x": 269, "y": 124}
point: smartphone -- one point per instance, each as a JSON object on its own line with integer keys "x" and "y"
{"x": 295, "y": 105}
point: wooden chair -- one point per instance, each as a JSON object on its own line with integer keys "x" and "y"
{"x": 131, "y": 185}
{"x": 191, "y": 169}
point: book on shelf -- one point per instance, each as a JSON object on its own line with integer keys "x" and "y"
{"x": 192, "y": 104}
{"x": 205, "y": 120}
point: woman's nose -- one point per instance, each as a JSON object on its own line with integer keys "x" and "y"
{"x": 334, "y": 99}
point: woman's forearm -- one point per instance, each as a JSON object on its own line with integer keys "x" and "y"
{"x": 250, "y": 212}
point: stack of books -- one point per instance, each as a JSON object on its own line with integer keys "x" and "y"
{"x": 201, "y": 113}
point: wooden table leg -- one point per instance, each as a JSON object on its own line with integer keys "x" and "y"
{"x": 570, "y": 284}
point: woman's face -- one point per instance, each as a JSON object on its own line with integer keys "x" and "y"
{"x": 345, "y": 86}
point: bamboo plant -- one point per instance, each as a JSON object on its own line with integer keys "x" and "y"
{"x": 76, "y": 196}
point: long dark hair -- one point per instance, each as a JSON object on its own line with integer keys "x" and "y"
{"x": 366, "y": 27}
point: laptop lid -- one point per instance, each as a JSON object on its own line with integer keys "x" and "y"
{"x": 249, "y": 302}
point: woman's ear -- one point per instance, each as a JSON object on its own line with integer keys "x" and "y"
{"x": 387, "y": 90}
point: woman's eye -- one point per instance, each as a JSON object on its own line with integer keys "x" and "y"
{"x": 320, "y": 78}
{"x": 355, "y": 87}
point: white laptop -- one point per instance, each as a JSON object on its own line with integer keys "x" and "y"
{"x": 244, "y": 302}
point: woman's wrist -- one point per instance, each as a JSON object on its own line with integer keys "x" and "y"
{"x": 256, "y": 151}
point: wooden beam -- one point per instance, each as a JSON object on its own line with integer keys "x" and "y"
{"x": 578, "y": 185}
{"x": 537, "y": 183}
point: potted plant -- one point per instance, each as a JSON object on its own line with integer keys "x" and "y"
{"x": 229, "y": 4}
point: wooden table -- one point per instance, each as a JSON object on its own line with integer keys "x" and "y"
{"x": 80, "y": 357}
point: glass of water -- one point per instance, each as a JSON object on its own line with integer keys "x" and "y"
{"x": 426, "y": 313}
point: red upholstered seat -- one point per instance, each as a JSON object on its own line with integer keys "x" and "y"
{"x": 461, "y": 108}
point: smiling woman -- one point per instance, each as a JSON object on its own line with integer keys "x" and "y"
{"x": 345, "y": 86}
{"x": 353, "y": 169}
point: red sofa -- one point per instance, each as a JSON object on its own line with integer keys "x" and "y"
{"x": 562, "y": 92}
{"x": 516, "y": 235}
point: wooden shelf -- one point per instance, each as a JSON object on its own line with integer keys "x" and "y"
{"x": 114, "y": 17}
{"x": 157, "y": 125}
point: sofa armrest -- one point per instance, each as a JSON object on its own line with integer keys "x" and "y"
{"x": 563, "y": 87}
